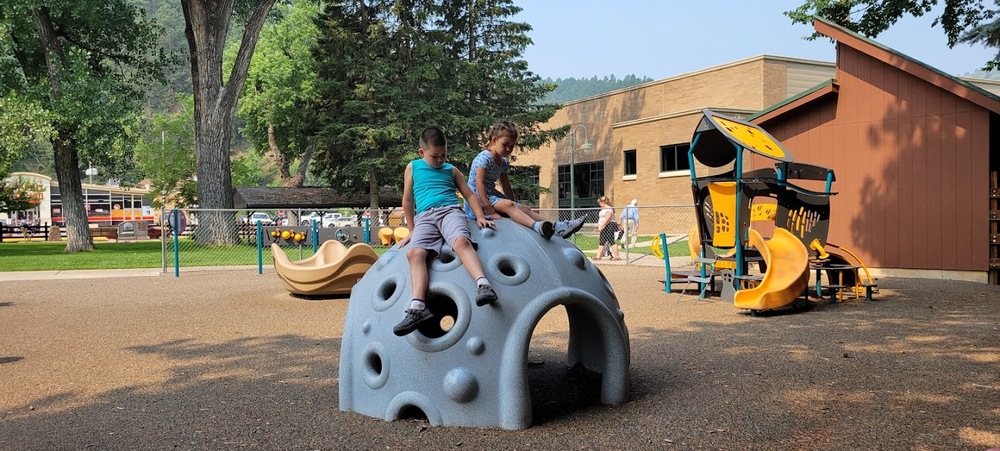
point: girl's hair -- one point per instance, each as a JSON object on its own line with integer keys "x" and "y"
{"x": 605, "y": 200}
{"x": 504, "y": 128}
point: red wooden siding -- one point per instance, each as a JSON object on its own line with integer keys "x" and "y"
{"x": 912, "y": 165}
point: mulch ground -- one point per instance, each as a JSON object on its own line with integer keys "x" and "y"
{"x": 229, "y": 360}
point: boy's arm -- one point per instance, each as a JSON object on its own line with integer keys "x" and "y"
{"x": 483, "y": 193}
{"x": 470, "y": 197}
{"x": 408, "y": 202}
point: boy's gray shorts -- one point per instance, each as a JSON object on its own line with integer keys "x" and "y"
{"x": 440, "y": 225}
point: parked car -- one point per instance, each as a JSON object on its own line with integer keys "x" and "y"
{"x": 328, "y": 220}
{"x": 307, "y": 219}
{"x": 262, "y": 218}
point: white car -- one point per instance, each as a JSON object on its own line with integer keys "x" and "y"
{"x": 327, "y": 220}
{"x": 262, "y": 218}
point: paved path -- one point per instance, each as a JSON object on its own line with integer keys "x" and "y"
{"x": 9, "y": 276}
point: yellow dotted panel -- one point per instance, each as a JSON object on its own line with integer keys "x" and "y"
{"x": 751, "y": 137}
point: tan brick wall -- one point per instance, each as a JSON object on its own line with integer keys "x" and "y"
{"x": 649, "y": 116}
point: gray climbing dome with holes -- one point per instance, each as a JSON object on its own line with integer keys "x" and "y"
{"x": 470, "y": 368}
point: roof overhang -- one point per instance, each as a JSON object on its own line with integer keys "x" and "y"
{"x": 822, "y": 90}
{"x": 959, "y": 87}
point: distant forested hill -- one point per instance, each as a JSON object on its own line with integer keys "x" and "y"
{"x": 570, "y": 89}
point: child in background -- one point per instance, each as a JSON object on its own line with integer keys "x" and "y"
{"x": 493, "y": 165}
{"x": 434, "y": 216}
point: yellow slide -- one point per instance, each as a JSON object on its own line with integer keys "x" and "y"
{"x": 787, "y": 272}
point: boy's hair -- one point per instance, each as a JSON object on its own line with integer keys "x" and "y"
{"x": 504, "y": 128}
{"x": 432, "y": 137}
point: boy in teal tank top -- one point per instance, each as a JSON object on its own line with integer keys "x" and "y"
{"x": 434, "y": 217}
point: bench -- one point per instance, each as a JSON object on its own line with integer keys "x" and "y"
{"x": 110, "y": 233}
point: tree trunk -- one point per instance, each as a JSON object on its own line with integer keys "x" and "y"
{"x": 215, "y": 182}
{"x": 300, "y": 175}
{"x": 67, "y": 162}
{"x": 207, "y": 23}
{"x": 71, "y": 192}
{"x": 373, "y": 189}
{"x": 279, "y": 157}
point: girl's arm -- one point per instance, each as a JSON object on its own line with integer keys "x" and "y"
{"x": 506, "y": 188}
{"x": 470, "y": 197}
{"x": 482, "y": 193}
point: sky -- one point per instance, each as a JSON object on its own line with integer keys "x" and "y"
{"x": 666, "y": 38}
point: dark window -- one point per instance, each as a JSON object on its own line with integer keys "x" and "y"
{"x": 630, "y": 162}
{"x": 588, "y": 177}
{"x": 674, "y": 158}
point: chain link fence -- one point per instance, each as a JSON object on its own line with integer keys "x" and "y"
{"x": 247, "y": 235}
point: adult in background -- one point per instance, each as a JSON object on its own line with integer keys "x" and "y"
{"x": 607, "y": 227}
{"x": 629, "y": 220}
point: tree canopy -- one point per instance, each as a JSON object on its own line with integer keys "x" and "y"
{"x": 962, "y": 20}
{"x": 278, "y": 102}
{"x": 80, "y": 69}
{"x": 387, "y": 69}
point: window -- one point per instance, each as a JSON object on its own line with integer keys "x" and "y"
{"x": 629, "y": 165}
{"x": 588, "y": 178}
{"x": 674, "y": 158}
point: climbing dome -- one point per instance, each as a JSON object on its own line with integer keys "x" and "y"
{"x": 468, "y": 366}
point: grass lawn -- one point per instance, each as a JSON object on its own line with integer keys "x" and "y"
{"x": 589, "y": 243}
{"x": 49, "y": 256}
{"x": 41, "y": 256}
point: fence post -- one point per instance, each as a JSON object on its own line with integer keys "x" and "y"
{"x": 315, "y": 237}
{"x": 666, "y": 262}
{"x": 177, "y": 255}
{"x": 260, "y": 249}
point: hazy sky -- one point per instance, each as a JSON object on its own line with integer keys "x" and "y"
{"x": 664, "y": 38}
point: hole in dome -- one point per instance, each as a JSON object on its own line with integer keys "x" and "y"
{"x": 506, "y": 267}
{"x": 374, "y": 363}
{"x": 387, "y": 289}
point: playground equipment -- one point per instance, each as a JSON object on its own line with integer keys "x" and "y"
{"x": 390, "y": 235}
{"x": 728, "y": 199}
{"x": 776, "y": 287}
{"x": 469, "y": 366}
{"x": 332, "y": 270}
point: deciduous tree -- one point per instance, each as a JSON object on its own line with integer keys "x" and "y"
{"x": 278, "y": 102}
{"x": 85, "y": 63}
{"x": 962, "y": 20}
{"x": 207, "y": 26}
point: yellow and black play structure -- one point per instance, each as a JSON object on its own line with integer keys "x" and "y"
{"x": 735, "y": 208}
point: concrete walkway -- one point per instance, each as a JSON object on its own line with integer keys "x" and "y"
{"x": 9, "y": 276}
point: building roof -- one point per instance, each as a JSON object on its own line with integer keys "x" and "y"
{"x": 828, "y": 87}
{"x": 957, "y": 86}
{"x": 310, "y": 198}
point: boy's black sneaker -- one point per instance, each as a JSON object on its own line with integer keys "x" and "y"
{"x": 485, "y": 295}
{"x": 412, "y": 320}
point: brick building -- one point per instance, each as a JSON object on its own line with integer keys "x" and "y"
{"x": 911, "y": 147}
